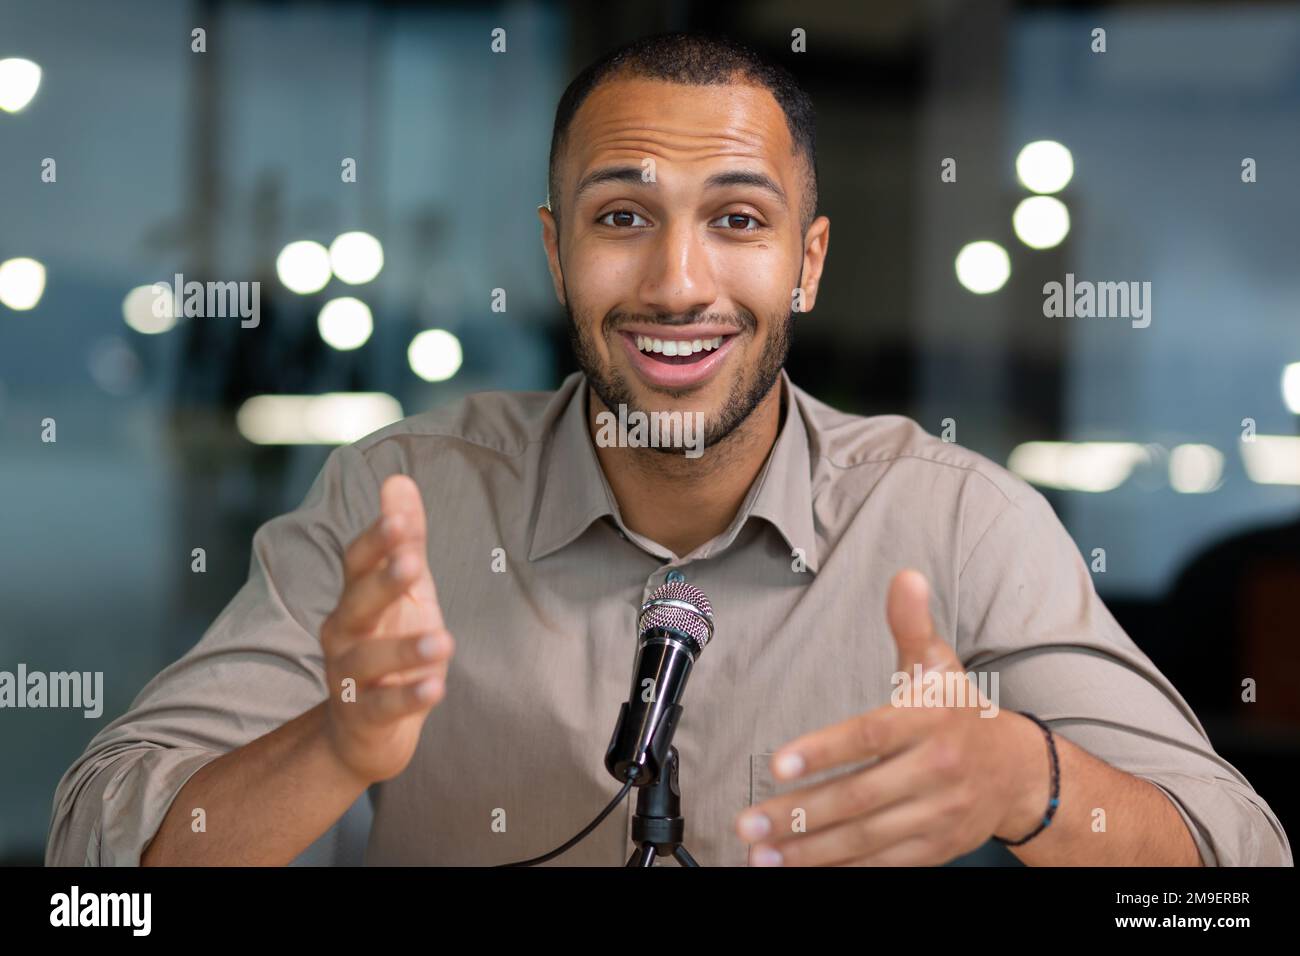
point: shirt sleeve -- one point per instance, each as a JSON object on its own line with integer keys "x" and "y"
{"x": 1028, "y": 610}
{"x": 258, "y": 666}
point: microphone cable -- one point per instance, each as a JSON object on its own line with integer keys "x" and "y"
{"x": 632, "y": 773}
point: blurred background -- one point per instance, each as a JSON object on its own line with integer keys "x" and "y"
{"x": 1170, "y": 452}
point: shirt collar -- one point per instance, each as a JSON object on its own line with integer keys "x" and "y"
{"x": 784, "y": 495}
{"x": 575, "y": 491}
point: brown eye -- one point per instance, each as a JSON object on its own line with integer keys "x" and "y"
{"x": 625, "y": 219}
{"x": 730, "y": 222}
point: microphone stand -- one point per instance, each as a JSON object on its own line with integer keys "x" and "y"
{"x": 634, "y": 754}
{"x": 657, "y": 824}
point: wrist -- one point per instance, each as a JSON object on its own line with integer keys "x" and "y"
{"x": 1029, "y": 776}
{"x": 339, "y": 771}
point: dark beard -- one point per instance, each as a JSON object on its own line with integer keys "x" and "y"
{"x": 613, "y": 390}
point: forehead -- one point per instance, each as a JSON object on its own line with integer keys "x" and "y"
{"x": 631, "y": 118}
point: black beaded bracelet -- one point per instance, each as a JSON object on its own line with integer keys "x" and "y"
{"x": 1055, "y": 800}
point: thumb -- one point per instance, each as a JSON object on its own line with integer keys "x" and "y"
{"x": 399, "y": 494}
{"x": 908, "y": 611}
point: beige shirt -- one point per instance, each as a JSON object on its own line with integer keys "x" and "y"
{"x": 510, "y": 763}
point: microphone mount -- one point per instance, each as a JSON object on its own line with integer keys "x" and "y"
{"x": 657, "y": 826}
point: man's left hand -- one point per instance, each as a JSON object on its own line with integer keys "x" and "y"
{"x": 944, "y": 779}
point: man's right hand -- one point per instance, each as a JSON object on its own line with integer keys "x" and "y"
{"x": 388, "y": 636}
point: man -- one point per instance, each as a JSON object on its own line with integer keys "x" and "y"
{"x": 838, "y": 552}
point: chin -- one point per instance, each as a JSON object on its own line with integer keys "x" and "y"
{"x": 705, "y": 398}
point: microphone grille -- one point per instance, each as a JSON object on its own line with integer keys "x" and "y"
{"x": 680, "y": 607}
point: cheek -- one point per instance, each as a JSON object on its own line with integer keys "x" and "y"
{"x": 762, "y": 287}
{"x": 602, "y": 275}
{"x": 590, "y": 301}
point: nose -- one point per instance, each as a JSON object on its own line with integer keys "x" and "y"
{"x": 679, "y": 273}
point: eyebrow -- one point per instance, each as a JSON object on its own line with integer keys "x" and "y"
{"x": 631, "y": 175}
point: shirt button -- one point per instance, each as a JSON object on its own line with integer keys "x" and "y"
{"x": 675, "y": 576}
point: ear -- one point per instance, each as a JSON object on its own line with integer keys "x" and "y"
{"x": 551, "y": 243}
{"x": 816, "y": 244}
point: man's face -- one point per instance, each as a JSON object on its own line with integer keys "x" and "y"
{"x": 680, "y": 214}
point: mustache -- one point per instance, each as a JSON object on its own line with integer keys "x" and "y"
{"x": 743, "y": 320}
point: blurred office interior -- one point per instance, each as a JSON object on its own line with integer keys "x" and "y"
{"x": 225, "y": 165}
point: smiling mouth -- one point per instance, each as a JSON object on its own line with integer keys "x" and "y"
{"x": 677, "y": 351}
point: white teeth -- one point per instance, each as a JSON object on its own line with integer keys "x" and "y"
{"x": 677, "y": 347}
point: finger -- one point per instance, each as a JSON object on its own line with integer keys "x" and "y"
{"x": 383, "y": 705}
{"x": 397, "y": 678}
{"x": 368, "y": 661}
{"x": 377, "y": 542}
{"x": 877, "y": 733}
{"x": 833, "y": 801}
{"x": 855, "y": 838}
{"x": 908, "y": 612}
{"x": 366, "y": 599}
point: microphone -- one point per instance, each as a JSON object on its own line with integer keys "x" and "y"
{"x": 673, "y": 628}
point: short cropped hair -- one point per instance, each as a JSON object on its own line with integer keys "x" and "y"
{"x": 694, "y": 59}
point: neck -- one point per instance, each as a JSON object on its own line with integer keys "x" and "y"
{"x": 682, "y": 502}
